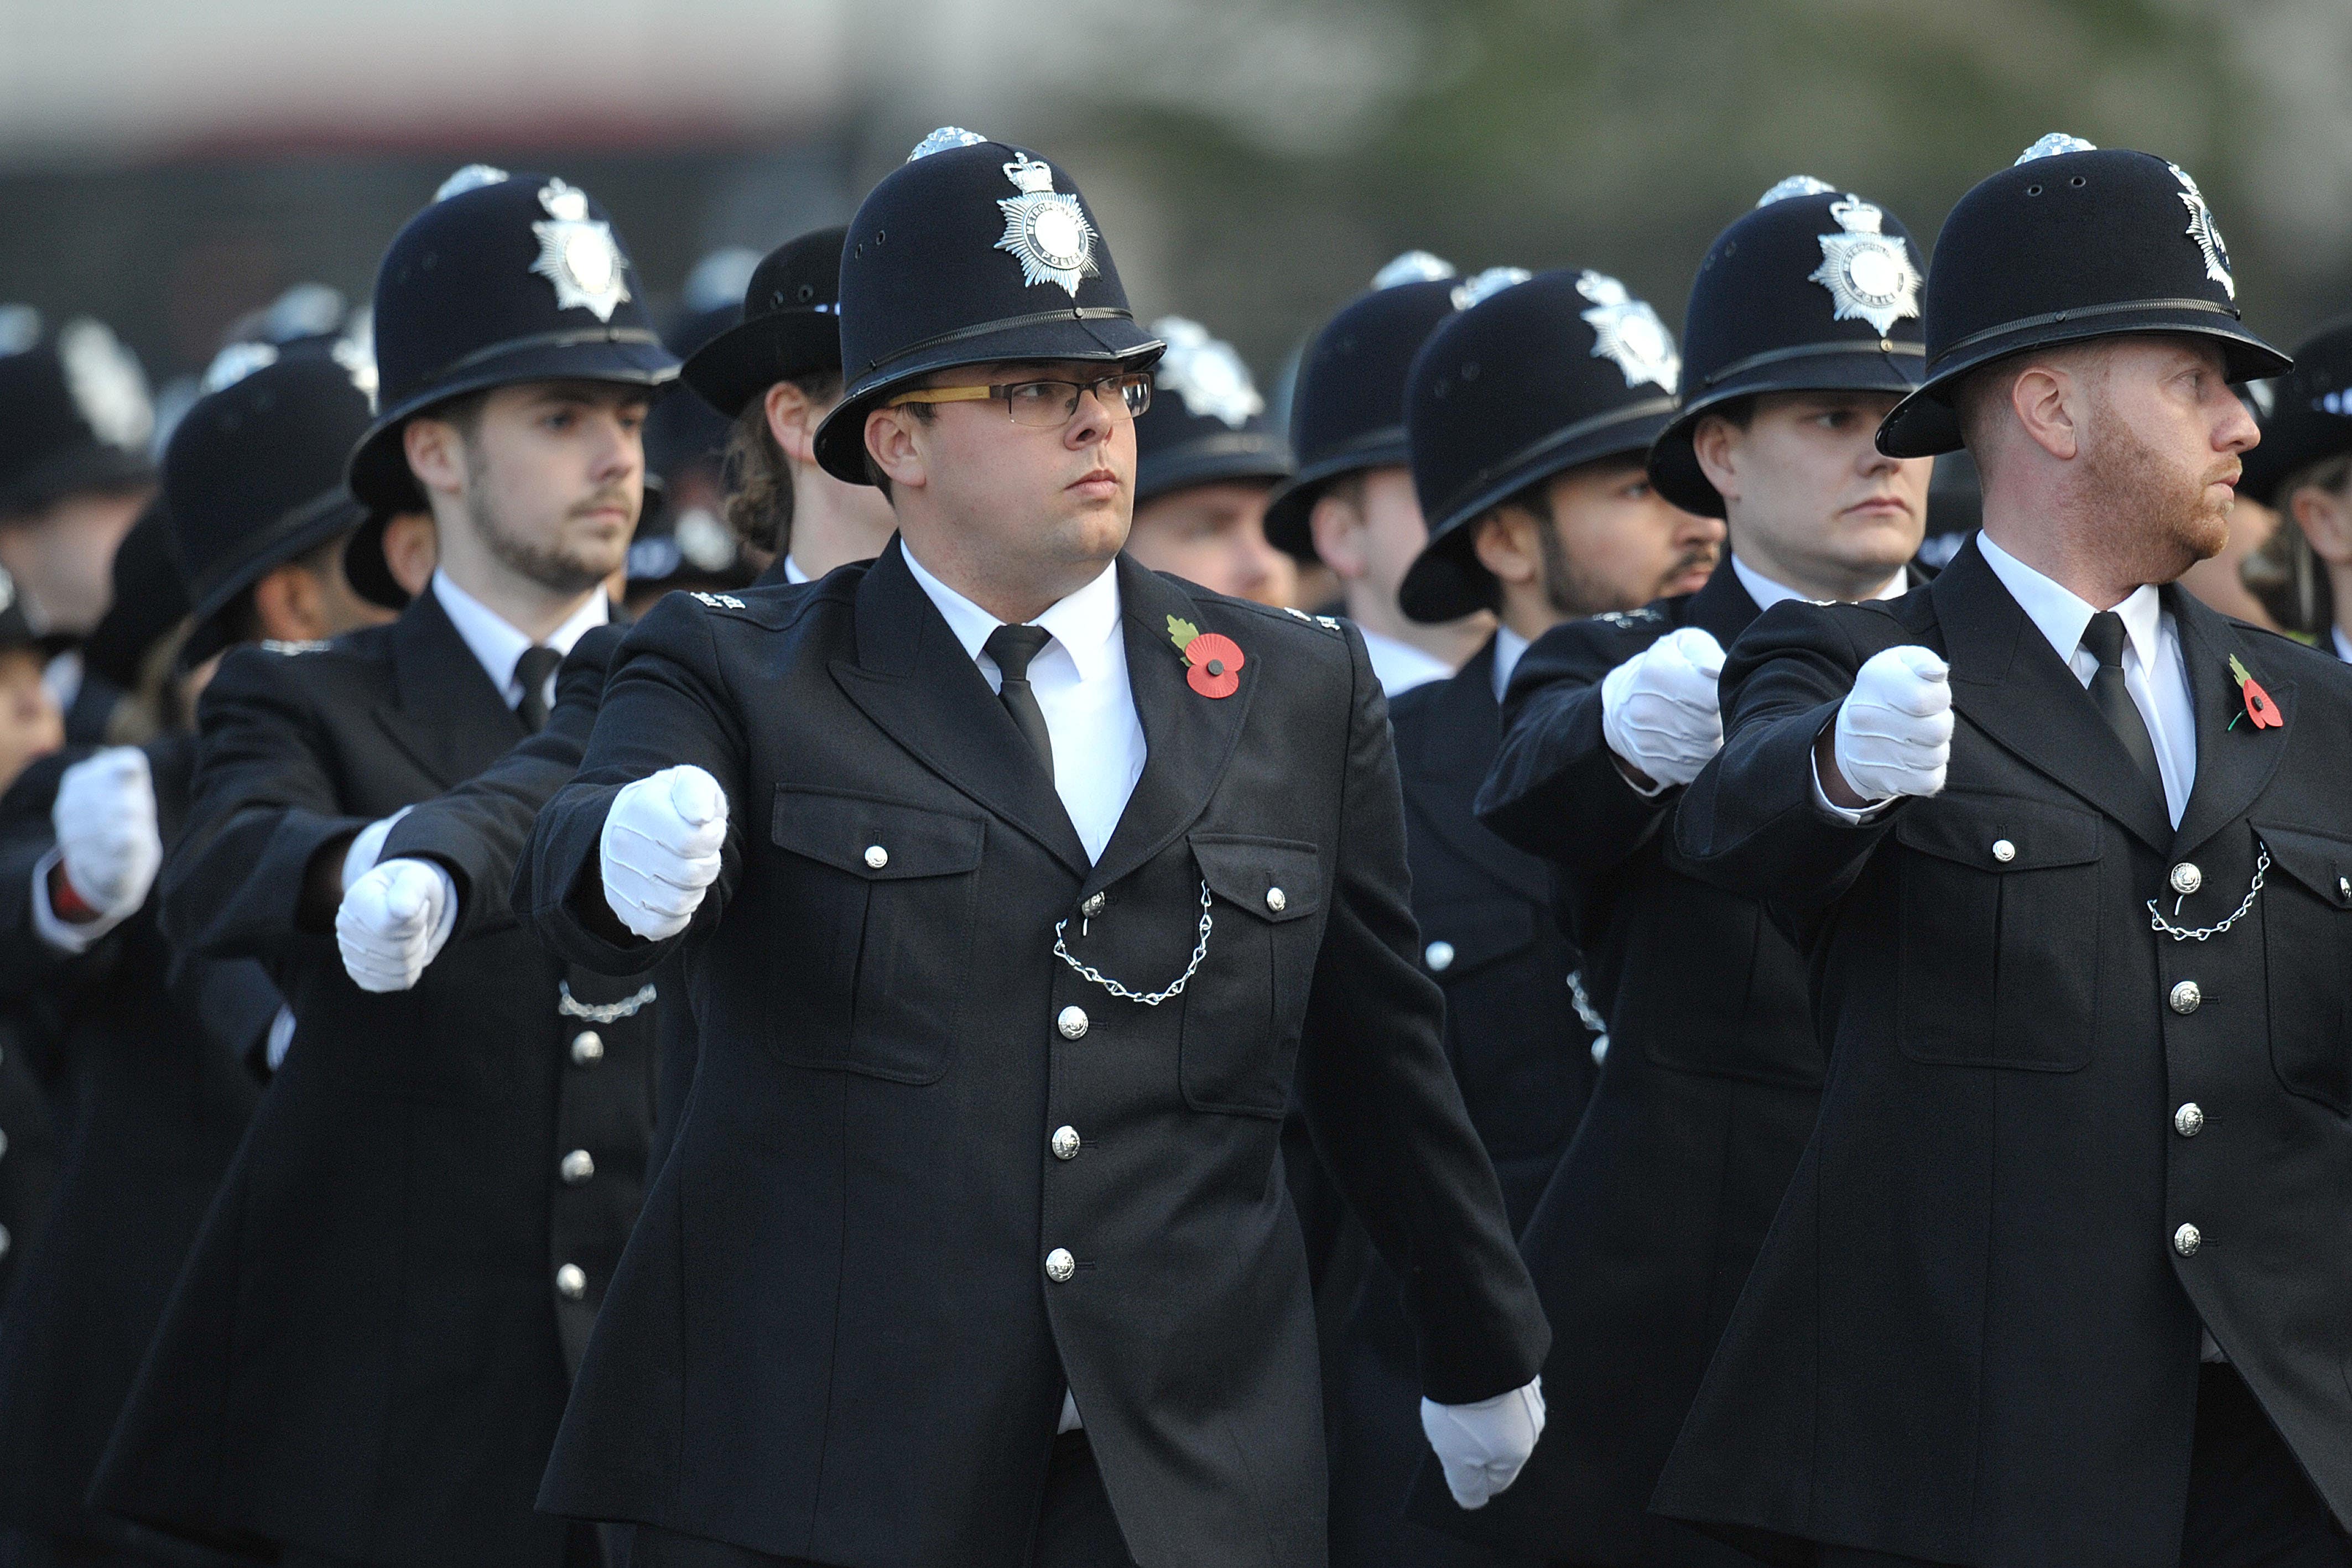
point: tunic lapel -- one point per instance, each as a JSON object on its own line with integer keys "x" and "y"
{"x": 1447, "y": 761}
{"x": 915, "y": 681}
{"x": 2233, "y": 765}
{"x": 2010, "y": 684}
{"x": 446, "y": 715}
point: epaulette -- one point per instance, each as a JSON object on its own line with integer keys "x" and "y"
{"x": 1328, "y": 623}
{"x": 720, "y": 601}
{"x": 1621, "y": 618}
{"x": 305, "y": 645}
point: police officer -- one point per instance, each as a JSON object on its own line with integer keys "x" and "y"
{"x": 2056, "y": 1281}
{"x": 1012, "y": 881}
{"x": 156, "y": 1052}
{"x": 2302, "y": 469}
{"x": 75, "y": 419}
{"x": 776, "y": 375}
{"x": 1802, "y": 331}
{"x": 1529, "y": 412}
{"x": 1351, "y": 505}
{"x": 1206, "y": 462}
{"x": 371, "y": 1346}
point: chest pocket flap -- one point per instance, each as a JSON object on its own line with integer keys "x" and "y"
{"x": 2321, "y": 864}
{"x": 2001, "y": 834}
{"x": 1275, "y": 878}
{"x": 881, "y": 840}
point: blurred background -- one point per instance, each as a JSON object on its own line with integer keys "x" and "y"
{"x": 169, "y": 167}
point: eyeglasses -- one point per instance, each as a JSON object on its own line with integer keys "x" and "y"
{"x": 1046, "y": 404}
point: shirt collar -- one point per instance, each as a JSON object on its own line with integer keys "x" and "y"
{"x": 1508, "y": 646}
{"x": 1085, "y": 623}
{"x": 2061, "y": 615}
{"x": 1767, "y": 592}
{"x": 2343, "y": 645}
{"x": 494, "y": 642}
{"x": 792, "y": 572}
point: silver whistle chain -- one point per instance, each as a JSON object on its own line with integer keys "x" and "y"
{"x": 2156, "y": 922}
{"x": 1154, "y": 998}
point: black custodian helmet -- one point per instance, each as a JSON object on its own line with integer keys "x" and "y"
{"x": 504, "y": 278}
{"x": 2068, "y": 243}
{"x": 2310, "y": 416}
{"x": 1207, "y": 422}
{"x": 791, "y": 325}
{"x": 971, "y": 252}
{"x": 1538, "y": 376}
{"x": 1813, "y": 290}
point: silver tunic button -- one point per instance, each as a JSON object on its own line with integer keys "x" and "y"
{"x": 1276, "y": 900}
{"x": 3, "y": 1143}
{"x": 4, "y": 1241}
{"x": 2344, "y": 888}
{"x": 876, "y": 857}
{"x": 1060, "y": 1265}
{"x": 587, "y": 1048}
{"x": 1440, "y": 955}
{"x": 2189, "y": 1120}
{"x": 572, "y": 1281}
{"x": 577, "y": 1167}
{"x": 2186, "y": 879}
{"x": 2186, "y": 998}
{"x": 1094, "y": 904}
{"x": 2003, "y": 851}
{"x": 1071, "y": 1022}
{"x": 2185, "y": 1241}
{"x": 1066, "y": 1142}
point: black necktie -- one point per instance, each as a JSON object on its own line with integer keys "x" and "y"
{"x": 537, "y": 662}
{"x": 2104, "y": 638}
{"x": 1013, "y": 647}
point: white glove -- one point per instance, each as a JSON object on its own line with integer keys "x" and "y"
{"x": 1895, "y": 728}
{"x": 107, "y": 838}
{"x": 1482, "y": 1446}
{"x": 1658, "y": 709}
{"x": 368, "y": 843}
{"x": 659, "y": 850}
{"x": 392, "y": 921}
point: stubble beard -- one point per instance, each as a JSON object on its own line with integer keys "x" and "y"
{"x": 556, "y": 568}
{"x": 2177, "y": 526}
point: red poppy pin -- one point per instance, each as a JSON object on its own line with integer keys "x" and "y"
{"x": 2259, "y": 706}
{"x": 1213, "y": 661}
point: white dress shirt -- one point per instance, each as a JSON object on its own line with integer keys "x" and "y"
{"x": 1508, "y": 646}
{"x": 1400, "y": 666}
{"x": 792, "y": 572}
{"x": 498, "y": 646}
{"x": 2343, "y": 645}
{"x": 2154, "y": 671}
{"x": 1766, "y": 592}
{"x": 1080, "y": 680}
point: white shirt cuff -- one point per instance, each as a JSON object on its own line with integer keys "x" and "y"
{"x": 281, "y": 1036}
{"x": 64, "y": 935}
{"x": 1626, "y": 770}
{"x": 1870, "y": 813}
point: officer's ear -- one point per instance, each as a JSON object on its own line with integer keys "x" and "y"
{"x": 2325, "y": 516}
{"x": 435, "y": 449}
{"x": 792, "y": 419}
{"x": 890, "y": 444}
{"x": 1337, "y": 526}
{"x": 1715, "y": 442}
{"x": 2049, "y": 398}
{"x": 1508, "y": 542}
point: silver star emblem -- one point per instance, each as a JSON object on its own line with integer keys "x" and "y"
{"x": 1870, "y": 276}
{"x": 2202, "y": 229}
{"x": 578, "y": 255}
{"x": 1206, "y": 373}
{"x": 108, "y": 386}
{"x": 1045, "y": 230}
{"x": 1626, "y": 330}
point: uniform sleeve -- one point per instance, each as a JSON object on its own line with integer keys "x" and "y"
{"x": 1383, "y": 1108}
{"x": 262, "y": 806}
{"x": 1754, "y": 822}
{"x": 1555, "y": 789}
{"x": 476, "y": 831}
{"x": 665, "y": 705}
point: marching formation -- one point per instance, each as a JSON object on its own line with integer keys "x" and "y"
{"x": 948, "y": 945}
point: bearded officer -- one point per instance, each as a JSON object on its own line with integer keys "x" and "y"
{"x": 1803, "y": 332}
{"x": 1207, "y": 460}
{"x": 2060, "y": 1277}
{"x": 777, "y": 374}
{"x": 371, "y": 1346}
{"x": 1351, "y": 504}
{"x": 1011, "y": 904}
{"x": 1528, "y": 411}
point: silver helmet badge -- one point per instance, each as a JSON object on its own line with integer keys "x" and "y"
{"x": 1044, "y": 230}
{"x": 1626, "y": 330}
{"x": 1869, "y": 276}
{"x": 578, "y": 255}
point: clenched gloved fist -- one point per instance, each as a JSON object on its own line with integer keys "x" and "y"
{"x": 659, "y": 852}
{"x": 107, "y": 844}
{"x": 1482, "y": 1446}
{"x": 1658, "y": 709}
{"x": 392, "y": 921}
{"x": 1895, "y": 728}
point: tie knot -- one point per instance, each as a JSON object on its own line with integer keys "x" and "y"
{"x": 1013, "y": 646}
{"x": 2104, "y": 638}
{"x": 531, "y": 670}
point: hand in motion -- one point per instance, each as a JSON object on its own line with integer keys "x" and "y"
{"x": 1894, "y": 732}
{"x": 659, "y": 852}
{"x": 1658, "y": 709}
{"x": 393, "y": 923}
{"x": 108, "y": 846}
{"x": 1482, "y": 1446}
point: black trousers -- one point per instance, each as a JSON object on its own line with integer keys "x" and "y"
{"x": 2250, "y": 1505}
{"x": 1075, "y": 1528}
